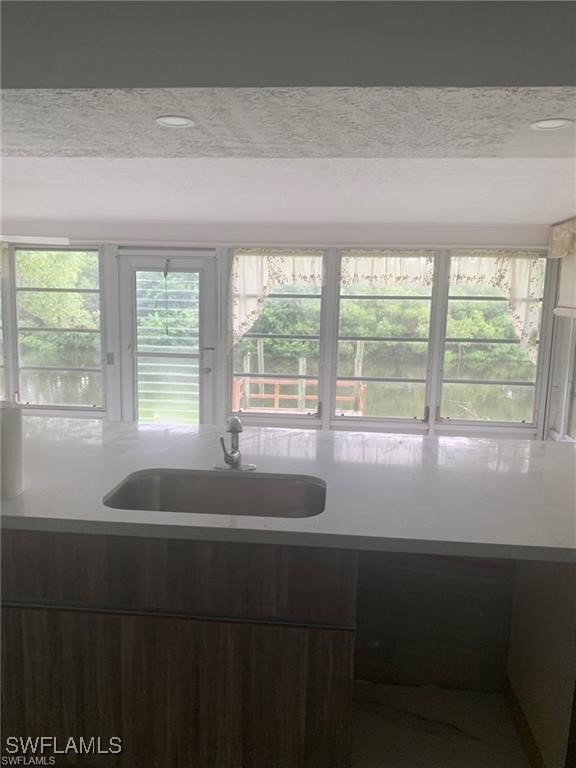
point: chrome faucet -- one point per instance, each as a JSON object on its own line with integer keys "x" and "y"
{"x": 233, "y": 457}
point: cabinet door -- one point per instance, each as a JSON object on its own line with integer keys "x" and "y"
{"x": 179, "y": 692}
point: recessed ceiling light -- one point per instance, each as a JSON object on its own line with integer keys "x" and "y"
{"x": 174, "y": 121}
{"x": 551, "y": 124}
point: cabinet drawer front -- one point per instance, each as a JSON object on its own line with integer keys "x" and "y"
{"x": 195, "y": 578}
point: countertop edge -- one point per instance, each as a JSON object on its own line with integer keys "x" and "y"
{"x": 292, "y": 538}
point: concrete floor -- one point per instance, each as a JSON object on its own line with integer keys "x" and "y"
{"x": 404, "y": 727}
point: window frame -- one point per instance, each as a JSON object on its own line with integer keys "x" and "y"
{"x": 312, "y": 420}
{"x": 12, "y": 332}
{"x": 113, "y": 353}
{"x": 202, "y": 260}
{"x": 376, "y": 423}
{"x": 536, "y": 425}
{"x": 433, "y": 422}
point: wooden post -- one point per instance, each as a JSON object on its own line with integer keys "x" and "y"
{"x": 358, "y": 364}
{"x": 247, "y": 359}
{"x": 260, "y": 351}
{"x": 301, "y": 384}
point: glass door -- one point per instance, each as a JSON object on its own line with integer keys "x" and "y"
{"x": 170, "y": 334}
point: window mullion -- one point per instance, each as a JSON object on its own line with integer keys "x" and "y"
{"x": 543, "y": 383}
{"x": 9, "y": 324}
{"x": 329, "y": 335}
{"x": 110, "y": 332}
{"x": 438, "y": 319}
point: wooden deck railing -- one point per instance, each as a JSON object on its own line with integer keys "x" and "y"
{"x": 243, "y": 400}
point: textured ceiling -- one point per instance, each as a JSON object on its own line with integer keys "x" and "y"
{"x": 288, "y": 123}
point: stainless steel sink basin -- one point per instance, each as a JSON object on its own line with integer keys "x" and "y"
{"x": 229, "y": 492}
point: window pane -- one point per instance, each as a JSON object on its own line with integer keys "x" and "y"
{"x": 281, "y": 356}
{"x": 384, "y": 295}
{"x": 168, "y": 389}
{"x": 507, "y": 311}
{"x": 57, "y": 269}
{"x": 59, "y": 350}
{"x": 296, "y": 317}
{"x": 482, "y": 361}
{"x": 384, "y": 359}
{"x": 168, "y": 312}
{"x": 388, "y": 291}
{"x": 73, "y": 388}
{"x": 484, "y": 320}
{"x": 487, "y": 402}
{"x": 58, "y": 327}
{"x": 402, "y": 400}
{"x": 38, "y": 309}
{"x": 395, "y": 318}
{"x": 276, "y": 293}
{"x": 302, "y": 289}
{"x": 266, "y": 394}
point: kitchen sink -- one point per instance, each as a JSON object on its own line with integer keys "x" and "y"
{"x": 229, "y": 492}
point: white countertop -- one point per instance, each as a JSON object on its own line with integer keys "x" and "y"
{"x": 395, "y": 493}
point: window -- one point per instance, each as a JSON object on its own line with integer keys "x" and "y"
{"x": 276, "y": 311}
{"x": 58, "y": 327}
{"x": 168, "y": 345}
{"x": 419, "y": 340}
{"x": 415, "y": 336}
{"x": 384, "y": 323}
{"x": 492, "y": 336}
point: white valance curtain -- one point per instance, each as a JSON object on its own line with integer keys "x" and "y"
{"x": 378, "y": 267}
{"x": 256, "y": 272}
{"x": 562, "y": 239}
{"x": 516, "y": 274}
{"x": 562, "y": 245}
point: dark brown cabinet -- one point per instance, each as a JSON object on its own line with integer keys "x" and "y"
{"x": 180, "y": 689}
{"x": 180, "y": 692}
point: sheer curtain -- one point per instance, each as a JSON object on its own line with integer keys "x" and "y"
{"x": 256, "y": 272}
{"x": 381, "y": 268}
{"x": 516, "y": 274}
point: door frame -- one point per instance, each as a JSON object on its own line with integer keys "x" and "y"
{"x": 203, "y": 261}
